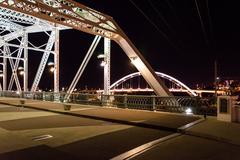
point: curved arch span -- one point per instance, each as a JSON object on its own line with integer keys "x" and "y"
{"x": 162, "y": 75}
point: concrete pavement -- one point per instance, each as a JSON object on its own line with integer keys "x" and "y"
{"x": 149, "y": 119}
{"x": 209, "y": 128}
{"x": 204, "y": 140}
{"x": 71, "y": 137}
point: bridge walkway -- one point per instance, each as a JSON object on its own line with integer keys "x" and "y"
{"x": 210, "y": 137}
{"x": 148, "y": 119}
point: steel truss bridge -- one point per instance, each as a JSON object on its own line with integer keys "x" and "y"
{"x": 19, "y": 19}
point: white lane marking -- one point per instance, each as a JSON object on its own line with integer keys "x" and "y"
{"x": 81, "y": 109}
{"x": 143, "y": 148}
{"x": 42, "y": 137}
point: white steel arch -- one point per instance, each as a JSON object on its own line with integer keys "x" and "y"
{"x": 162, "y": 75}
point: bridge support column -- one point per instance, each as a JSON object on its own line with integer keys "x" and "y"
{"x": 4, "y": 68}
{"x": 25, "y": 63}
{"x": 56, "y": 62}
{"x": 56, "y": 66}
{"x": 107, "y": 51}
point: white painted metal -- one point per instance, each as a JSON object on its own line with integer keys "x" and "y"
{"x": 15, "y": 24}
{"x": 14, "y": 67}
{"x": 25, "y": 63}
{"x": 163, "y": 75}
{"x": 16, "y": 16}
{"x": 1, "y": 78}
{"x": 107, "y": 51}
{"x": 78, "y": 16}
{"x": 143, "y": 67}
{"x": 4, "y": 70}
{"x": 29, "y": 48}
{"x": 43, "y": 62}
{"x": 82, "y": 67}
{"x": 9, "y": 57}
{"x": 56, "y": 61}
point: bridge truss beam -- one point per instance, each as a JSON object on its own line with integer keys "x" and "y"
{"x": 15, "y": 46}
{"x": 107, "y": 52}
{"x": 82, "y": 67}
{"x": 77, "y": 16}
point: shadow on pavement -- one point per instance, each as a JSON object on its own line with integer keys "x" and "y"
{"x": 42, "y": 152}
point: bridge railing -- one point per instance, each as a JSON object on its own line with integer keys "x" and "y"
{"x": 143, "y": 102}
{"x": 169, "y": 104}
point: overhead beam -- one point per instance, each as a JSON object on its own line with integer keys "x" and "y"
{"x": 80, "y": 17}
{"x": 43, "y": 62}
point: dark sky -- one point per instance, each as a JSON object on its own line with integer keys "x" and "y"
{"x": 187, "y": 53}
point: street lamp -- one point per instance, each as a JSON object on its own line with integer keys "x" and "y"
{"x": 21, "y": 70}
{"x": 52, "y": 69}
{"x": 1, "y": 74}
{"x": 21, "y": 73}
{"x": 51, "y": 65}
{"x": 102, "y": 56}
{"x": 103, "y": 63}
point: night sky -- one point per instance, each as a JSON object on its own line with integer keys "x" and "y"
{"x": 169, "y": 35}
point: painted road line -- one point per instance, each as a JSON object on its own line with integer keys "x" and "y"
{"x": 81, "y": 109}
{"x": 42, "y": 137}
{"x": 143, "y": 148}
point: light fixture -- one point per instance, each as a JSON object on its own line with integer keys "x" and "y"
{"x": 20, "y": 68}
{"x": 188, "y": 111}
{"x": 50, "y": 64}
{"x": 21, "y": 73}
{"x": 103, "y": 63}
{"x": 101, "y": 56}
{"x": 52, "y": 69}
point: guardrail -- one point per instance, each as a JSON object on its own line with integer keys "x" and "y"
{"x": 154, "y": 103}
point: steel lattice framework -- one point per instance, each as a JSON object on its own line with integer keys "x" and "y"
{"x": 67, "y": 13}
{"x": 162, "y": 75}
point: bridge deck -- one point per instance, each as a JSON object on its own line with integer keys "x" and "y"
{"x": 75, "y": 137}
{"x": 148, "y": 119}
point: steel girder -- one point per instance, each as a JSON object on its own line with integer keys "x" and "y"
{"x": 80, "y": 17}
{"x": 82, "y": 67}
{"x": 43, "y": 62}
{"x": 107, "y": 51}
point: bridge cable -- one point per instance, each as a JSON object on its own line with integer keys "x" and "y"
{"x": 210, "y": 22}
{"x": 160, "y": 15}
{"x": 174, "y": 12}
{"x": 155, "y": 26}
{"x": 201, "y": 21}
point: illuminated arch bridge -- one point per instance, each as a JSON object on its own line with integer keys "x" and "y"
{"x": 176, "y": 85}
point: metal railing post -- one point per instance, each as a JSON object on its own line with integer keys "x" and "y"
{"x": 125, "y": 101}
{"x": 153, "y": 97}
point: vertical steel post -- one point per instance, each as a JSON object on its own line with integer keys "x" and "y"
{"x": 4, "y": 68}
{"x": 56, "y": 61}
{"x": 25, "y": 63}
{"x": 107, "y": 51}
